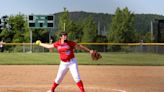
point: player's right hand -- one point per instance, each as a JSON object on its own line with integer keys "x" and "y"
{"x": 38, "y": 42}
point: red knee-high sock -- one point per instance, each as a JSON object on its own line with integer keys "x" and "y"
{"x": 54, "y": 86}
{"x": 80, "y": 85}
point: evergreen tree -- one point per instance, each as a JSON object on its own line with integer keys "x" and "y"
{"x": 122, "y": 27}
{"x": 64, "y": 20}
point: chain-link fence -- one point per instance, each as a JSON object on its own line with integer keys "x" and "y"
{"x": 101, "y": 47}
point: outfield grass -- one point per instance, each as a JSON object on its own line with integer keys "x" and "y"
{"x": 83, "y": 58}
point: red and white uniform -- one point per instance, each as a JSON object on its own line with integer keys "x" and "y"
{"x": 66, "y": 50}
{"x": 68, "y": 61}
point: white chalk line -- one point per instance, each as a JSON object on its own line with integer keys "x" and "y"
{"x": 107, "y": 89}
{"x": 63, "y": 86}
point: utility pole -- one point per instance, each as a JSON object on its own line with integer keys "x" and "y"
{"x": 64, "y": 26}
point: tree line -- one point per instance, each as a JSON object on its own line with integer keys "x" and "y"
{"x": 124, "y": 26}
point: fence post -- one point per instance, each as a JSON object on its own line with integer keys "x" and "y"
{"x": 23, "y": 47}
{"x": 141, "y": 46}
{"x": 30, "y": 40}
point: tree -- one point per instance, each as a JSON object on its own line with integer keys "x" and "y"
{"x": 41, "y": 34}
{"x": 89, "y": 30}
{"x": 19, "y": 28}
{"x": 147, "y": 37}
{"x": 122, "y": 27}
{"x": 16, "y": 30}
{"x": 6, "y": 35}
{"x": 64, "y": 20}
{"x": 66, "y": 24}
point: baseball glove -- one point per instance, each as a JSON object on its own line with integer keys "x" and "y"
{"x": 95, "y": 56}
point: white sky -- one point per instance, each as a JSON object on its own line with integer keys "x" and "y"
{"x": 12, "y": 7}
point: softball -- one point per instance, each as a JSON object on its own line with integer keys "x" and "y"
{"x": 38, "y": 42}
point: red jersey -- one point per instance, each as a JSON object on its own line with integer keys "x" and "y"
{"x": 65, "y": 50}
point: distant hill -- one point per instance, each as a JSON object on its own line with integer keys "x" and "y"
{"x": 142, "y": 21}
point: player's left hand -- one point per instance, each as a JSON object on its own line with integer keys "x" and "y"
{"x": 95, "y": 55}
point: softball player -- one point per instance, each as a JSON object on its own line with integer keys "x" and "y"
{"x": 68, "y": 60}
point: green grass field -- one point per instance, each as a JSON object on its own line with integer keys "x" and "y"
{"x": 83, "y": 58}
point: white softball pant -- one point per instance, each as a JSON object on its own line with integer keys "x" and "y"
{"x": 63, "y": 69}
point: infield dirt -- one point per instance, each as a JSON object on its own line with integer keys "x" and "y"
{"x": 39, "y": 78}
